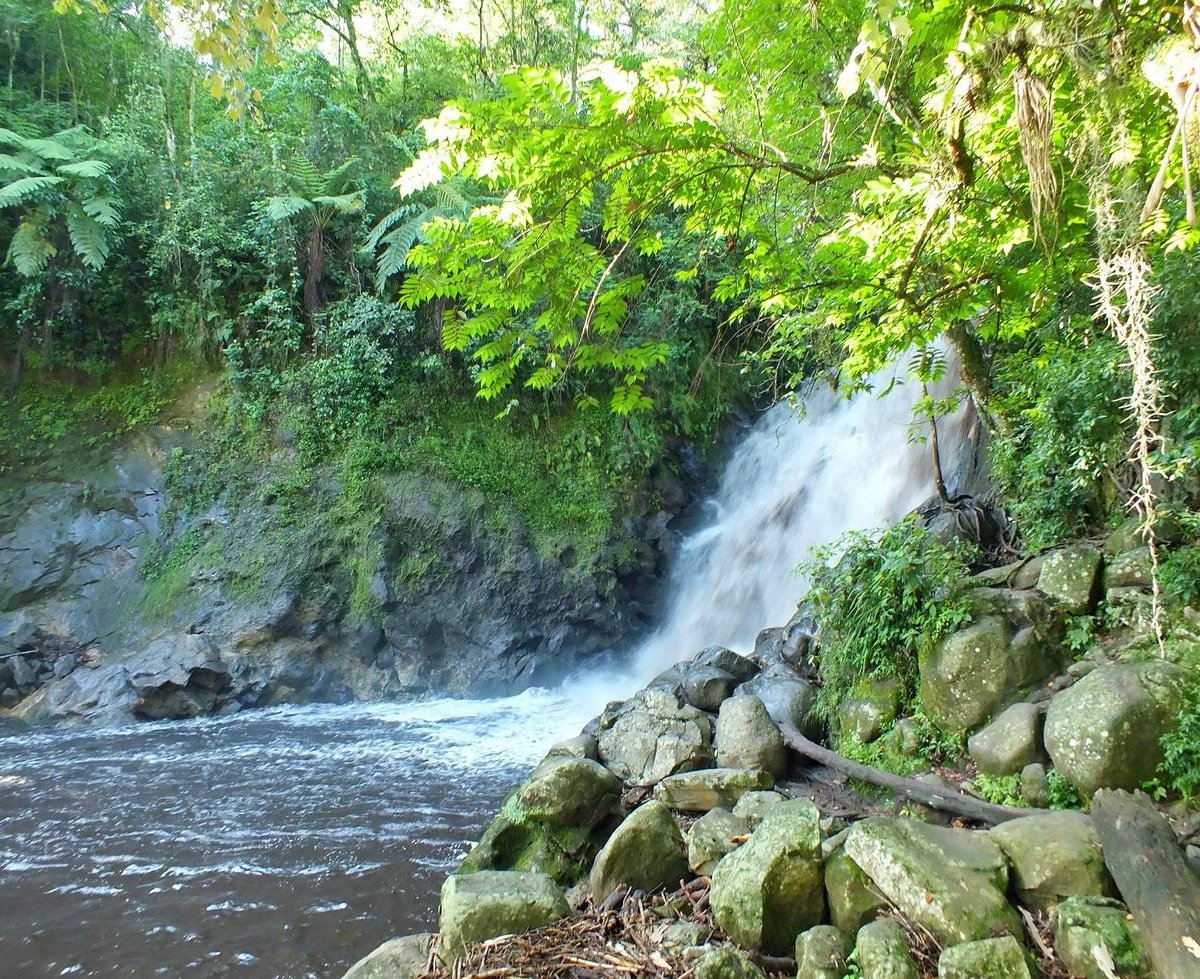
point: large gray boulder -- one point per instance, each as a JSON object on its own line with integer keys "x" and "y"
{"x": 881, "y": 950}
{"x": 770, "y": 889}
{"x": 706, "y": 687}
{"x": 954, "y": 882}
{"x": 740, "y": 667}
{"x": 788, "y": 697}
{"x": 656, "y": 737}
{"x": 1071, "y": 576}
{"x": 1054, "y": 856}
{"x": 968, "y": 676}
{"x": 710, "y": 788}
{"x": 991, "y": 958}
{"x": 746, "y": 737}
{"x": 713, "y": 835}
{"x": 1010, "y": 742}
{"x": 476, "y": 907}
{"x": 645, "y": 852}
{"x": 1133, "y": 569}
{"x": 399, "y": 958}
{"x": 554, "y": 823}
{"x": 1103, "y": 732}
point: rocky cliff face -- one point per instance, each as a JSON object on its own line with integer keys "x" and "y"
{"x": 113, "y": 606}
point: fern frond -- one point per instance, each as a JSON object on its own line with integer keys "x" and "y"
{"x": 30, "y": 249}
{"x": 15, "y": 164}
{"x": 280, "y": 209}
{"x": 20, "y": 191}
{"x": 387, "y": 222}
{"x": 350, "y": 203}
{"x": 88, "y": 238}
{"x": 303, "y": 178}
{"x": 86, "y": 169}
{"x": 50, "y": 149}
{"x": 104, "y": 210}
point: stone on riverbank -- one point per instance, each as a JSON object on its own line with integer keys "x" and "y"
{"x": 1071, "y": 577}
{"x": 991, "y": 958}
{"x": 645, "y": 852}
{"x": 1104, "y": 731}
{"x": 853, "y": 898}
{"x": 770, "y": 889}
{"x": 656, "y": 737}
{"x": 711, "y": 837}
{"x": 881, "y": 951}
{"x": 746, "y": 737}
{"x": 483, "y": 905}
{"x": 710, "y": 788}
{"x": 1010, "y": 742}
{"x": 951, "y": 881}
{"x": 727, "y": 963}
{"x": 1054, "y": 856}
{"x": 1088, "y": 932}
{"x": 399, "y": 958}
{"x": 821, "y": 953}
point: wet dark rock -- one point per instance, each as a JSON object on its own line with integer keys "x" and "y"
{"x": 739, "y": 667}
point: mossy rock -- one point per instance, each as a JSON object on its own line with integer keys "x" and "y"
{"x": 1082, "y": 926}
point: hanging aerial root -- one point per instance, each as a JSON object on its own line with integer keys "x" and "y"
{"x": 1035, "y": 126}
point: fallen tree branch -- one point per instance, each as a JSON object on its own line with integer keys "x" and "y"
{"x": 1162, "y": 891}
{"x": 947, "y": 799}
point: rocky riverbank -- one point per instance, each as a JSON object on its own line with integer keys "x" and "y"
{"x": 123, "y": 598}
{"x": 679, "y": 835}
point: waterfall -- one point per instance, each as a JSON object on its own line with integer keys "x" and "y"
{"x": 796, "y": 481}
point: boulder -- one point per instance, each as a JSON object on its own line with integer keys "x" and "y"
{"x": 399, "y": 958}
{"x": 1128, "y": 535}
{"x": 727, "y": 963}
{"x": 753, "y": 806}
{"x": 654, "y": 738}
{"x": 582, "y": 746}
{"x": 870, "y": 709}
{"x": 739, "y": 667}
{"x": 685, "y": 934}
{"x": 991, "y": 958}
{"x": 1055, "y": 855}
{"x": 971, "y": 673}
{"x": 770, "y": 889}
{"x": 788, "y": 697}
{"x": 553, "y": 824}
{"x": 480, "y": 906}
{"x": 853, "y": 897}
{"x": 710, "y": 788}
{"x": 713, "y": 835}
{"x": 951, "y": 881}
{"x": 645, "y": 852}
{"x": 821, "y": 953}
{"x": 706, "y": 687}
{"x": 1071, "y": 576}
{"x": 1035, "y": 786}
{"x": 1103, "y": 732}
{"x": 746, "y": 737}
{"x": 881, "y": 950}
{"x": 1132, "y": 569}
{"x": 1089, "y": 933}
{"x": 1010, "y": 742}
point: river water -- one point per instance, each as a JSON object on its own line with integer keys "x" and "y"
{"x": 284, "y": 842}
{"x": 289, "y": 842}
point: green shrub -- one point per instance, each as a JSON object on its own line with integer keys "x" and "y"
{"x": 880, "y": 600}
{"x": 1180, "y": 770}
{"x": 1056, "y": 464}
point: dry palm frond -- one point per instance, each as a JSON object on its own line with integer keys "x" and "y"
{"x": 1035, "y": 126}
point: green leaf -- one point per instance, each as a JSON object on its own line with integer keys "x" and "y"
{"x": 85, "y": 168}
{"x": 88, "y": 238}
{"x": 22, "y": 190}
{"x": 280, "y": 209}
{"x": 30, "y": 249}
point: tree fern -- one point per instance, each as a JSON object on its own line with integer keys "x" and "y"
{"x": 84, "y": 168}
{"x": 87, "y": 237}
{"x": 30, "y": 250}
{"x": 280, "y": 209}
{"x": 26, "y": 188}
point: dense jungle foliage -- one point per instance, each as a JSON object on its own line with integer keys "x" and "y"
{"x": 529, "y": 245}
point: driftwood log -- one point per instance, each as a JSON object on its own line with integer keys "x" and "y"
{"x": 946, "y": 799}
{"x": 1160, "y": 888}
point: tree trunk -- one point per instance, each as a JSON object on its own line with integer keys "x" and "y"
{"x": 362, "y": 80}
{"x": 1161, "y": 889}
{"x": 948, "y": 800}
{"x": 314, "y": 277}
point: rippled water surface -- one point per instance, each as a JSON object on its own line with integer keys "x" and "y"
{"x": 285, "y": 842}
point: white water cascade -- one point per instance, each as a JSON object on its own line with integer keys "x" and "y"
{"x": 795, "y": 482}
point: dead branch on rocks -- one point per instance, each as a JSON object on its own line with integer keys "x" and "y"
{"x": 946, "y": 799}
{"x": 602, "y": 941}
